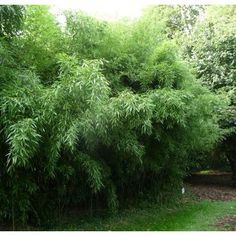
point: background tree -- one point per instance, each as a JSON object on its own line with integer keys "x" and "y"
{"x": 178, "y": 19}
{"x": 211, "y": 49}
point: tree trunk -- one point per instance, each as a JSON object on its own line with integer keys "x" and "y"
{"x": 232, "y": 162}
{"x": 234, "y": 175}
{"x": 230, "y": 151}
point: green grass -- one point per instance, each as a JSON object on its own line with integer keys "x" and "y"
{"x": 194, "y": 216}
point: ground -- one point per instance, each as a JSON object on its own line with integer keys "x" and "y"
{"x": 200, "y": 216}
{"x": 203, "y": 208}
{"x": 212, "y": 192}
{"x": 207, "y": 205}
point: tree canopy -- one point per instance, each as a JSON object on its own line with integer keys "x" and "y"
{"x": 211, "y": 50}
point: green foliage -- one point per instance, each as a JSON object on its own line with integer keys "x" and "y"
{"x": 211, "y": 49}
{"x": 40, "y": 42}
{"x": 94, "y": 171}
{"x": 23, "y": 141}
{"x": 11, "y": 17}
{"x": 85, "y": 35}
{"x": 178, "y": 19}
{"x": 85, "y": 122}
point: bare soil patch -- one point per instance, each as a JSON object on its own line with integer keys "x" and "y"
{"x": 212, "y": 192}
{"x": 227, "y": 222}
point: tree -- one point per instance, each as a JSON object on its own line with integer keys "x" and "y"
{"x": 178, "y": 19}
{"x": 212, "y": 51}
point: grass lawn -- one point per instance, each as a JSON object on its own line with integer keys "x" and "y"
{"x": 197, "y": 215}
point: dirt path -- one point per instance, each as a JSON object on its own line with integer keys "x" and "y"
{"x": 215, "y": 192}
{"x": 212, "y": 192}
{"x": 227, "y": 223}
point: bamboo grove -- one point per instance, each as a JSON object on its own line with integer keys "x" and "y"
{"x": 96, "y": 114}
